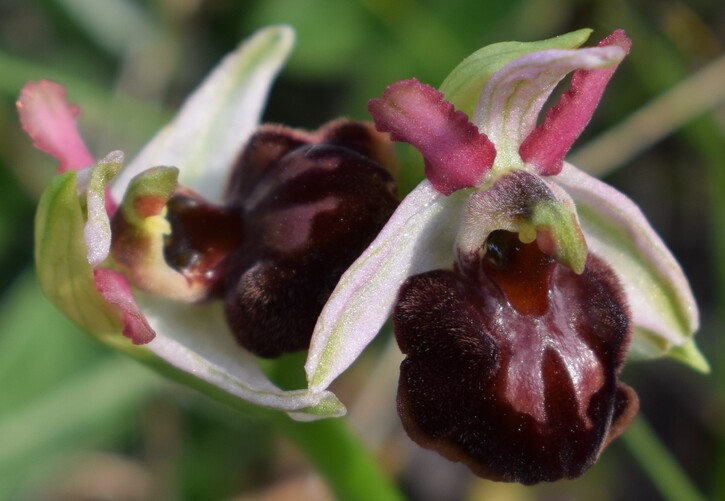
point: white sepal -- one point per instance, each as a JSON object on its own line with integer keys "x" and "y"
{"x": 418, "y": 237}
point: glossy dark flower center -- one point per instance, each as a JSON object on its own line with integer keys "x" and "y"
{"x": 512, "y": 367}
{"x": 201, "y": 238}
{"x": 521, "y": 271}
{"x": 299, "y": 209}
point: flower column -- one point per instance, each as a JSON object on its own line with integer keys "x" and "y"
{"x": 514, "y": 316}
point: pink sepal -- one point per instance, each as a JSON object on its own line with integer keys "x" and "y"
{"x": 114, "y": 288}
{"x": 547, "y": 145}
{"x": 456, "y": 154}
{"x": 50, "y": 121}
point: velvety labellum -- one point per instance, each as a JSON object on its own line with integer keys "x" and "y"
{"x": 298, "y": 211}
{"x": 512, "y": 368}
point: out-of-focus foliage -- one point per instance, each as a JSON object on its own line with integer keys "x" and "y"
{"x": 70, "y": 411}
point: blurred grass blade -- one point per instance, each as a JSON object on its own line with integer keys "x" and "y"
{"x": 92, "y": 408}
{"x": 698, "y": 94}
{"x": 64, "y": 404}
{"x": 33, "y": 332}
{"x": 71, "y": 408}
{"x": 116, "y": 25}
{"x": 667, "y": 476}
{"x": 62, "y": 392}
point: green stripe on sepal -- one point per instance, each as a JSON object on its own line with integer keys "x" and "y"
{"x": 464, "y": 84}
{"x": 664, "y": 312}
{"x": 64, "y": 274}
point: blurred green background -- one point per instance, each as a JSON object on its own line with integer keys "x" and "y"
{"x": 80, "y": 422}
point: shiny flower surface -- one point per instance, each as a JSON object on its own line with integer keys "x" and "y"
{"x": 298, "y": 210}
{"x": 524, "y": 280}
{"x": 182, "y": 260}
{"x": 517, "y": 283}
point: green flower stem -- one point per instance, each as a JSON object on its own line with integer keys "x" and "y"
{"x": 659, "y": 464}
{"x": 334, "y": 451}
{"x": 340, "y": 458}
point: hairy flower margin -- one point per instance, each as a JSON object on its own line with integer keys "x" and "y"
{"x": 424, "y": 232}
{"x": 519, "y": 283}
{"x": 191, "y": 343}
{"x": 73, "y": 232}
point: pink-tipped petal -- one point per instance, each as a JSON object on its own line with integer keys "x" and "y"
{"x": 115, "y": 290}
{"x": 547, "y": 145}
{"x": 456, "y": 154}
{"x": 50, "y": 121}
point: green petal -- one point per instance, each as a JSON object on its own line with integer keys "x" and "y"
{"x": 464, "y": 84}
{"x": 64, "y": 274}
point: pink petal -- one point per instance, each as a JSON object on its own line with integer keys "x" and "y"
{"x": 50, "y": 121}
{"x": 115, "y": 290}
{"x": 547, "y": 145}
{"x": 456, "y": 154}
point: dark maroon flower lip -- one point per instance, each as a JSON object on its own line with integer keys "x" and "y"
{"x": 140, "y": 296}
{"x": 202, "y": 236}
{"x": 514, "y": 370}
{"x": 298, "y": 210}
{"x": 513, "y": 355}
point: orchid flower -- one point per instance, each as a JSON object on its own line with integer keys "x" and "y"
{"x": 195, "y": 257}
{"x": 518, "y": 284}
